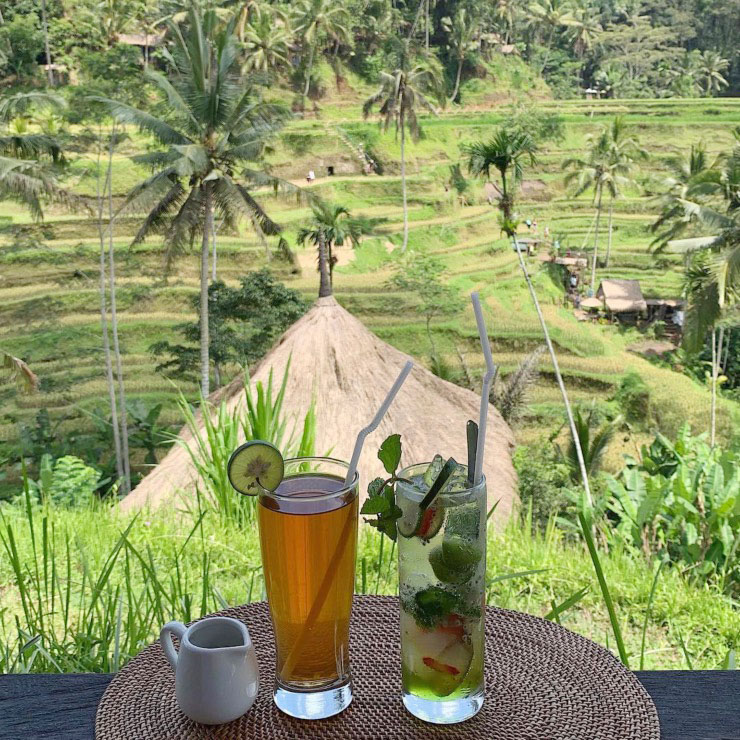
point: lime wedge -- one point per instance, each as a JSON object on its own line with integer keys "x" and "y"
{"x": 255, "y": 466}
{"x": 461, "y": 553}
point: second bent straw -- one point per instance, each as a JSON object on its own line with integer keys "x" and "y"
{"x": 323, "y": 591}
{"x": 487, "y": 382}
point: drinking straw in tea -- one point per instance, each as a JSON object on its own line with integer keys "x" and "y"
{"x": 323, "y": 591}
{"x": 487, "y": 381}
{"x": 373, "y": 425}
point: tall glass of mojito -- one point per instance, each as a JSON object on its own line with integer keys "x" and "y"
{"x": 308, "y": 536}
{"x": 441, "y": 563}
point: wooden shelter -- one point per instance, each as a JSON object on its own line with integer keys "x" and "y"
{"x": 348, "y": 370}
{"x": 622, "y": 298}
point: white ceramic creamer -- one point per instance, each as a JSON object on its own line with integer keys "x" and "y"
{"x": 216, "y": 676}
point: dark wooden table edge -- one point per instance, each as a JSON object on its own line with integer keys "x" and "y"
{"x": 692, "y": 705}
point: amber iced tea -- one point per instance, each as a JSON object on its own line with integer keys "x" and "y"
{"x": 308, "y": 535}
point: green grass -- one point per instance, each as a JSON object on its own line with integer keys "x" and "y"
{"x": 87, "y": 589}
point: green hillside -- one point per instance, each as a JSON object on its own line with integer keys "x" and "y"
{"x": 49, "y": 298}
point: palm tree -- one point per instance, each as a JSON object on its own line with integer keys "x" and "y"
{"x": 624, "y": 150}
{"x": 462, "y": 29}
{"x": 332, "y": 226}
{"x": 708, "y": 203}
{"x": 213, "y": 131}
{"x": 548, "y": 16}
{"x": 711, "y": 68}
{"x": 266, "y": 39}
{"x": 315, "y": 21}
{"x": 506, "y": 152}
{"x": 583, "y": 29}
{"x": 593, "y": 444}
{"x": 400, "y": 96}
{"x": 29, "y": 162}
{"x": 684, "y": 75}
{"x": 506, "y": 11}
{"x": 603, "y": 169}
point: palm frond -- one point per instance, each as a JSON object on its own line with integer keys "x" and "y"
{"x": 21, "y": 373}
{"x": 144, "y": 121}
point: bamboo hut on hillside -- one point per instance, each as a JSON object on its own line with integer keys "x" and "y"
{"x": 348, "y": 370}
{"x": 622, "y": 299}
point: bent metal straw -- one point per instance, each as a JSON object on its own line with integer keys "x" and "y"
{"x": 487, "y": 382}
{"x": 323, "y": 592}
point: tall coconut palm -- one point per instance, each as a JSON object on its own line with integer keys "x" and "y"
{"x": 29, "y": 162}
{"x": 601, "y": 171}
{"x": 708, "y": 204}
{"x": 462, "y": 29}
{"x": 583, "y": 28}
{"x": 507, "y": 12}
{"x": 266, "y": 39}
{"x": 712, "y": 67}
{"x": 623, "y": 153}
{"x": 507, "y": 151}
{"x": 315, "y": 22}
{"x": 400, "y": 97}
{"x": 213, "y": 133}
{"x": 331, "y": 226}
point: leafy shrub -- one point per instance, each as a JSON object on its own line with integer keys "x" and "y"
{"x": 683, "y": 499}
{"x": 543, "y": 482}
{"x": 659, "y": 329}
{"x": 22, "y": 41}
{"x": 67, "y": 482}
{"x": 633, "y": 397}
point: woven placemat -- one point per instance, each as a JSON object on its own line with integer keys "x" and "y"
{"x": 542, "y": 683}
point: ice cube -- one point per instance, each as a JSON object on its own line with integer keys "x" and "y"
{"x": 433, "y": 471}
{"x": 458, "y": 481}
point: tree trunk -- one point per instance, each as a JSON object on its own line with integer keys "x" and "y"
{"x": 431, "y": 339}
{"x": 308, "y": 72}
{"x": 104, "y": 327}
{"x": 426, "y": 30}
{"x": 403, "y": 185}
{"x": 114, "y": 323}
{"x": 324, "y": 278}
{"x": 723, "y": 363}
{"x": 217, "y": 374}
{"x": 596, "y": 243}
{"x": 457, "y": 80}
{"x": 47, "y": 52}
{"x": 205, "y": 385}
{"x": 716, "y": 353}
{"x": 330, "y": 253}
{"x": 505, "y": 205}
{"x": 146, "y": 48}
{"x": 215, "y": 257}
{"x": 609, "y": 241}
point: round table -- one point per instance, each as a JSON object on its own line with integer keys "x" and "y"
{"x": 543, "y": 682}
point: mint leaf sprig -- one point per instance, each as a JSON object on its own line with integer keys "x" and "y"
{"x": 381, "y": 493}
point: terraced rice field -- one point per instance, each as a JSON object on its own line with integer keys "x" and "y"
{"x": 48, "y": 289}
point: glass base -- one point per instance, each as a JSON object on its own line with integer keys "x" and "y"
{"x": 313, "y": 704}
{"x": 444, "y": 712}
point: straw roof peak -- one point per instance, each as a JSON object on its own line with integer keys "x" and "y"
{"x": 347, "y": 369}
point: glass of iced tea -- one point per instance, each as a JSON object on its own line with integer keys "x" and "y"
{"x": 308, "y": 537}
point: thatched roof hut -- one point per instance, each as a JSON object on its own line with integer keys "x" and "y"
{"x": 348, "y": 370}
{"x": 622, "y": 296}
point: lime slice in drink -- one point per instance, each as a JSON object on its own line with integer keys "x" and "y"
{"x": 460, "y": 553}
{"x": 447, "y": 572}
{"x": 255, "y": 466}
